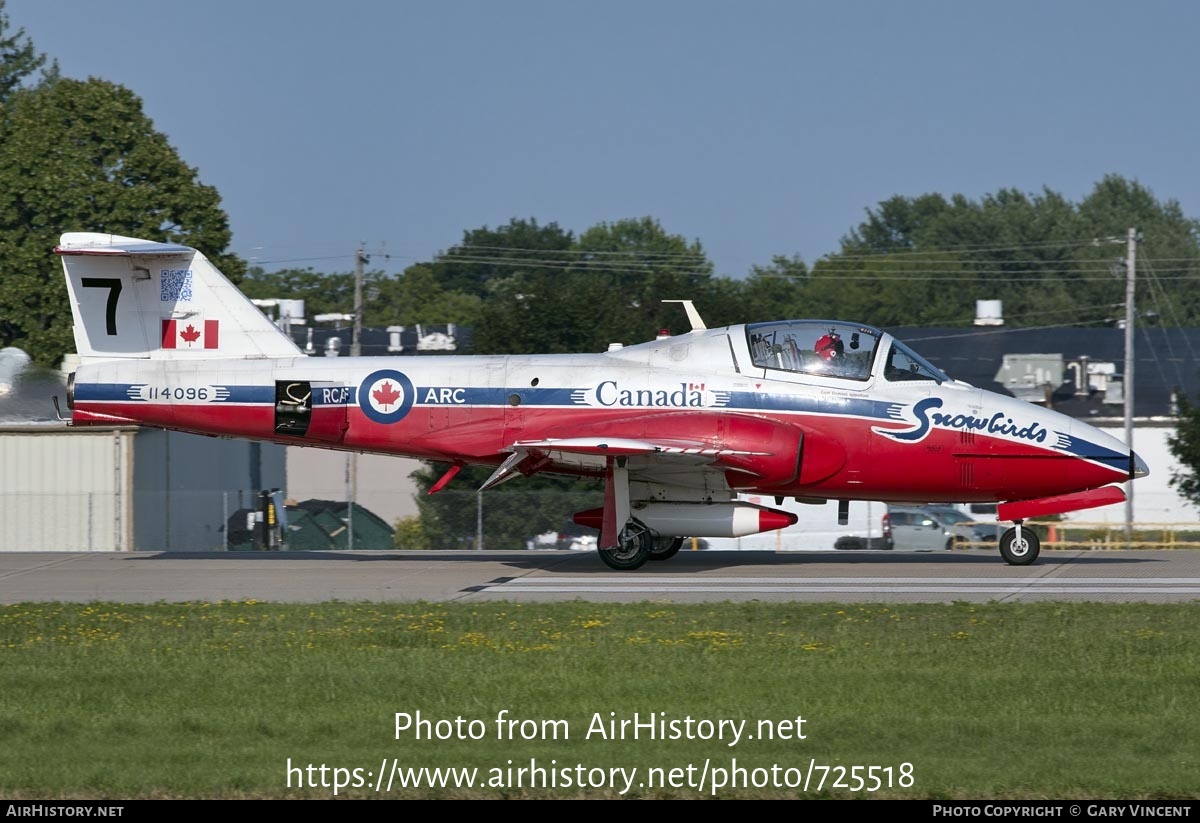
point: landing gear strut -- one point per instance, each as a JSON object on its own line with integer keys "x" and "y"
{"x": 1019, "y": 546}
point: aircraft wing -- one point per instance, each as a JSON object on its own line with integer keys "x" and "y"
{"x": 587, "y": 455}
{"x": 675, "y": 446}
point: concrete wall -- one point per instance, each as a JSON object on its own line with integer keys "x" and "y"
{"x": 65, "y": 489}
{"x": 1154, "y": 501}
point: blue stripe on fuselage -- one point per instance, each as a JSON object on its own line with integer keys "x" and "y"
{"x": 500, "y": 396}
{"x": 739, "y": 401}
{"x": 1094, "y": 452}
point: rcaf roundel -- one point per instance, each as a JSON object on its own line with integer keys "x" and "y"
{"x": 386, "y": 396}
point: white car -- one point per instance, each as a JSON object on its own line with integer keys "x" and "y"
{"x": 930, "y": 528}
{"x": 557, "y": 540}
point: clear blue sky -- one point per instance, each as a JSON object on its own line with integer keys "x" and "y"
{"x": 757, "y": 128}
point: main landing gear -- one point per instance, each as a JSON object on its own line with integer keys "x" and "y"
{"x": 1018, "y": 546}
{"x": 665, "y": 547}
{"x": 634, "y": 545}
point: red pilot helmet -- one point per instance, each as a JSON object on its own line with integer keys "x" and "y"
{"x": 829, "y": 346}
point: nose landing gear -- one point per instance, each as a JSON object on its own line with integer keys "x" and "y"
{"x": 1018, "y": 546}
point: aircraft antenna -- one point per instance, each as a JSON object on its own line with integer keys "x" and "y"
{"x": 693, "y": 315}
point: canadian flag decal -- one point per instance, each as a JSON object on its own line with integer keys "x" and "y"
{"x": 187, "y": 334}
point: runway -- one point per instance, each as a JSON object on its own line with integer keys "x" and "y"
{"x": 811, "y": 576}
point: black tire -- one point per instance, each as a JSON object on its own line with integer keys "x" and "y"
{"x": 635, "y": 542}
{"x": 1023, "y": 553}
{"x": 664, "y": 548}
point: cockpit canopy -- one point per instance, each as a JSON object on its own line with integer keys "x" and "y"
{"x": 835, "y": 349}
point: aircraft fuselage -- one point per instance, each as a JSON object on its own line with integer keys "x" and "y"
{"x": 869, "y": 439}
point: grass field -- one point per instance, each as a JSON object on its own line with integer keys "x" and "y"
{"x": 1035, "y": 700}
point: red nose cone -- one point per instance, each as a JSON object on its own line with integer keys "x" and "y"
{"x": 771, "y": 519}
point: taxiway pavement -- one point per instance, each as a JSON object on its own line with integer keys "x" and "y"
{"x": 827, "y": 576}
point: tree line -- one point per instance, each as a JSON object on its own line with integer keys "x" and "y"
{"x": 915, "y": 261}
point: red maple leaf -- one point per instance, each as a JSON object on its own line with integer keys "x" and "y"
{"x": 386, "y": 395}
{"x": 190, "y": 334}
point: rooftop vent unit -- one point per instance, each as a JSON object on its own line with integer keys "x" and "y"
{"x": 1031, "y": 377}
{"x": 1096, "y": 376}
{"x": 989, "y": 313}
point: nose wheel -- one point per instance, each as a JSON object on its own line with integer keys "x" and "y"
{"x": 1019, "y": 546}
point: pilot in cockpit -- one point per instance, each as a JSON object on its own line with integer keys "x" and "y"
{"x": 832, "y": 351}
{"x": 831, "y": 354}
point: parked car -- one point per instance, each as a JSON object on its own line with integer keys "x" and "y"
{"x": 852, "y": 543}
{"x": 929, "y": 528}
{"x": 561, "y": 540}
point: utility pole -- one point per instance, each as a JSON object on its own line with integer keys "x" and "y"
{"x": 356, "y": 340}
{"x": 350, "y": 483}
{"x": 1130, "y": 282}
{"x": 355, "y": 351}
{"x": 479, "y": 520}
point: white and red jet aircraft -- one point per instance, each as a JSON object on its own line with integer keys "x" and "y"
{"x": 676, "y": 427}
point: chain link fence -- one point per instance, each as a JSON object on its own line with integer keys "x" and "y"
{"x": 202, "y": 520}
{"x": 507, "y": 518}
{"x": 500, "y": 519}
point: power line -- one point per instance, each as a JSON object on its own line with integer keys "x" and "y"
{"x": 453, "y": 251}
{"x": 1051, "y": 277}
{"x": 300, "y": 260}
{"x": 967, "y": 249}
{"x": 996, "y": 331}
{"x": 933, "y": 264}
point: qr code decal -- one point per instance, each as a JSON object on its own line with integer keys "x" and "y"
{"x": 176, "y": 285}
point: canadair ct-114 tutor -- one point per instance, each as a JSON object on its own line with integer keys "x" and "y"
{"x": 677, "y": 428}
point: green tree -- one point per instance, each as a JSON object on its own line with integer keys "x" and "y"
{"x": 776, "y": 292}
{"x": 513, "y": 512}
{"x": 1185, "y": 446}
{"x": 1168, "y": 257}
{"x": 322, "y": 293}
{"x": 18, "y": 58}
{"x": 80, "y": 155}
{"x": 487, "y": 254}
{"x": 608, "y": 289}
{"x": 926, "y": 260}
{"x": 414, "y": 296}
{"x": 417, "y": 296}
{"x": 409, "y": 534}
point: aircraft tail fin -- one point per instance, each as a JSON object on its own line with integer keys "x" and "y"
{"x": 134, "y": 298}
